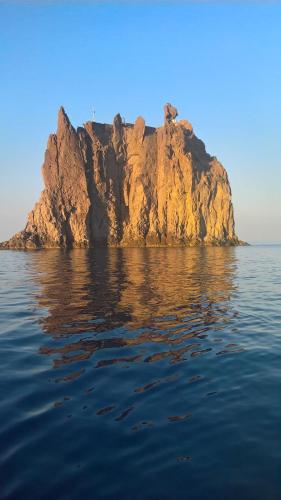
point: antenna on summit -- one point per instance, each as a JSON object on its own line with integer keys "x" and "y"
{"x": 94, "y": 114}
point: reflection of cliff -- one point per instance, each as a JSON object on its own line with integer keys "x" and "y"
{"x": 81, "y": 288}
{"x": 164, "y": 298}
{"x": 177, "y": 282}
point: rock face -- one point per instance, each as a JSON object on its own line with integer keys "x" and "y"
{"x": 129, "y": 185}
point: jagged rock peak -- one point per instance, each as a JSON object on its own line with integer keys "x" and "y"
{"x": 139, "y": 129}
{"x": 63, "y": 119}
{"x": 170, "y": 112}
{"x": 129, "y": 185}
{"x": 118, "y": 137}
{"x": 117, "y": 121}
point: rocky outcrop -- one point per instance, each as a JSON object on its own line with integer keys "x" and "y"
{"x": 170, "y": 113}
{"x": 129, "y": 185}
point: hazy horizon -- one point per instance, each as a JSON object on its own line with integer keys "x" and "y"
{"x": 218, "y": 63}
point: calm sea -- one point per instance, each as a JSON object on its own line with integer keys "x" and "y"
{"x": 141, "y": 374}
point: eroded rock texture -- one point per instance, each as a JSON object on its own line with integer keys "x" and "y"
{"x": 129, "y": 185}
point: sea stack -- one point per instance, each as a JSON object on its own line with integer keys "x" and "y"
{"x": 129, "y": 185}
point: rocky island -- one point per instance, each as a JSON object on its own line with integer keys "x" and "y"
{"x": 129, "y": 185}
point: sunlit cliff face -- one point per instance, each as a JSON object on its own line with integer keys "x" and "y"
{"x": 129, "y": 185}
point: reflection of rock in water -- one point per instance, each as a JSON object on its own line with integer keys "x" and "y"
{"x": 81, "y": 290}
{"x": 166, "y": 300}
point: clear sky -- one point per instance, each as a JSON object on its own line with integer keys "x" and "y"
{"x": 219, "y": 63}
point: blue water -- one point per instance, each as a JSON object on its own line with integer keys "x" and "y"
{"x": 141, "y": 374}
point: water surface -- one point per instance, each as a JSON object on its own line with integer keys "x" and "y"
{"x": 141, "y": 373}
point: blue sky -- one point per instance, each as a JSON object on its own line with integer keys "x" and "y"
{"x": 219, "y": 63}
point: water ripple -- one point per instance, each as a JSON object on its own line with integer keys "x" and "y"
{"x": 140, "y": 373}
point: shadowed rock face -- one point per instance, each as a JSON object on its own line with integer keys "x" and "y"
{"x": 129, "y": 185}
